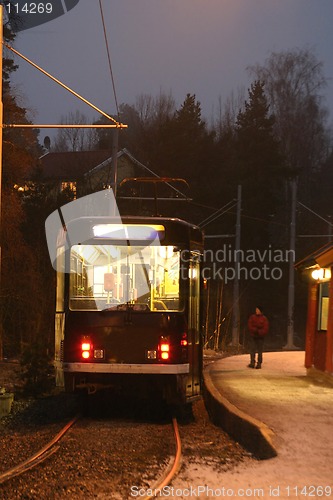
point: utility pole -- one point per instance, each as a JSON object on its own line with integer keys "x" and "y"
{"x": 1, "y": 123}
{"x": 235, "y": 315}
{"x": 329, "y": 217}
{"x": 291, "y": 287}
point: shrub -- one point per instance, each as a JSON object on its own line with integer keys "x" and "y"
{"x": 37, "y": 370}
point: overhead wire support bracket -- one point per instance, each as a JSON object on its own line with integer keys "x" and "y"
{"x": 115, "y": 124}
{"x": 50, "y": 125}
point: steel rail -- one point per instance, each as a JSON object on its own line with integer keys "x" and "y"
{"x": 39, "y": 456}
{"x": 172, "y": 469}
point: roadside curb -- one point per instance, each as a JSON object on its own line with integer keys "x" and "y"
{"x": 254, "y": 435}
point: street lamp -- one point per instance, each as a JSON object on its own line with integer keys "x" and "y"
{"x": 321, "y": 274}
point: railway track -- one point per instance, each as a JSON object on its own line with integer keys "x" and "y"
{"x": 54, "y": 445}
{"x": 171, "y": 471}
{"x": 41, "y": 455}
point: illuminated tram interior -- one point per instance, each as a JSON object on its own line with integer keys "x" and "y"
{"x": 115, "y": 277}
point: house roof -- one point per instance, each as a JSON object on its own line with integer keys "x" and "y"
{"x": 322, "y": 257}
{"x": 73, "y": 165}
{"x": 69, "y": 166}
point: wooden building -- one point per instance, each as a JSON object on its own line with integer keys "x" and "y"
{"x": 79, "y": 173}
{"x": 83, "y": 172}
{"x": 319, "y": 325}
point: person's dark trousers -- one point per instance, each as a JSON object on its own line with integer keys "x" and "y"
{"x": 257, "y": 345}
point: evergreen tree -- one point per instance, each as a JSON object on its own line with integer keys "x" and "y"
{"x": 187, "y": 145}
{"x": 21, "y": 312}
{"x": 20, "y": 146}
{"x": 259, "y": 165}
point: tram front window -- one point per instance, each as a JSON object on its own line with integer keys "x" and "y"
{"x": 114, "y": 277}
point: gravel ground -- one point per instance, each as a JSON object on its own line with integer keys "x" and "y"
{"x": 106, "y": 455}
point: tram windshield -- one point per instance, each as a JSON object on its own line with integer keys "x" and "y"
{"x": 115, "y": 277}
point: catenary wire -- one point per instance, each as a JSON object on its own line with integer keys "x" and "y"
{"x": 109, "y": 57}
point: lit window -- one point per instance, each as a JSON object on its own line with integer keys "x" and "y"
{"x": 69, "y": 186}
{"x": 323, "y": 306}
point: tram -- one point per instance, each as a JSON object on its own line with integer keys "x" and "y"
{"x": 128, "y": 309}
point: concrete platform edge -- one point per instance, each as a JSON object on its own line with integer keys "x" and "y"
{"x": 254, "y": 435}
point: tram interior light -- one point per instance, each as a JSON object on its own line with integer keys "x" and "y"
{"x": 129, "y": 231}
{"x": 192, "y": 273}
{"x": 166, "y": 252}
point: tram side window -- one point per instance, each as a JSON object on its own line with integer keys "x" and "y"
{"x": 111, "y": 277}
{"x": 60, "y": 280}
{"x": 164, "y": 279}
{"x": 194, "y": 299}
{"x": 79, "y": 278}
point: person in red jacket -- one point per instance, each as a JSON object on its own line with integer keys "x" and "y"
{"x": 258, "y": 326}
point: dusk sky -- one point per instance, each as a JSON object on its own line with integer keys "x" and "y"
{"x": 200, "y": 47}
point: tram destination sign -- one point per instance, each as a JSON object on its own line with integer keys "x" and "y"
{"x": 22, "y": 15}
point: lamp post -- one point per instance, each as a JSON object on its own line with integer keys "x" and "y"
{"x": 236, "y": 314}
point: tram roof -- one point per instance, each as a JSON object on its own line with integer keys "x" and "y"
{"x": 176, "y": 230}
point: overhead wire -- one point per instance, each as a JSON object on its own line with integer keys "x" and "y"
{"x": 109, "y": 58}
{"x": 221, "y": 211}
{"x": 315, "y": 213}
{"x": 217, "y": 214}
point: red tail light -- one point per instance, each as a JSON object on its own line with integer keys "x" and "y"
{"x": 86, "y": 348}
{"x": 184, "y": 348}
{"x": 183, "y": 341}
{"x": 164, "y": 349}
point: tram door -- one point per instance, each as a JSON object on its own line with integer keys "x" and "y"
{"x": 195, "y": 351}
